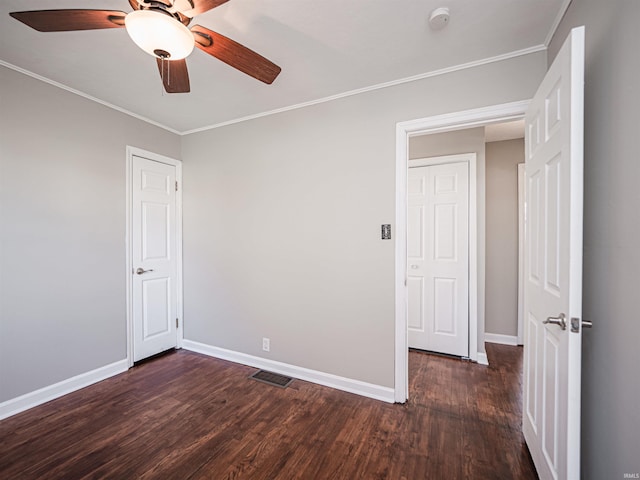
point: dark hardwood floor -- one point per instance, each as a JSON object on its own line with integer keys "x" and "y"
{"x": 188, "y": 416}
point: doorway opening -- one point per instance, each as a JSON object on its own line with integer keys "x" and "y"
{"x": 405, "y": 131}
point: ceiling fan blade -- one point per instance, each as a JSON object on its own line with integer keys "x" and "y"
{"x": 175, "y": 76}
{"x": 236, "y": 55}
{"x": 201, "y": 6}
{"x": 69, "y": 20}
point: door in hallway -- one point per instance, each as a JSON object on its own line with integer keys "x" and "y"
{"x": 438, "y": 258}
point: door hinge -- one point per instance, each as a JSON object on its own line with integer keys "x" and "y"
{"x": 176, "y": 185}
{"x": 176, "y": 323}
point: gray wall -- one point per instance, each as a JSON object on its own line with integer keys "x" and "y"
{"x": 62, "y": 231}
{"x": 470, "y": 140}
{"x": 611, "y": 356}
{"x": 501, "y": 287}
{"x": 282, "y": 222}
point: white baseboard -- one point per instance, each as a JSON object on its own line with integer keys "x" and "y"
{"x": 483, "y": 359}
{"x": 358, "y": 387}
{"x": 45, "y": 394}
{"x": 502, "y": 339}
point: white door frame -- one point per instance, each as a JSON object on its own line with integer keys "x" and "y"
{"x": 131, "y": 152}
{"x": 471, "y": 160}
{"x": 521, "y": 226}
{"x": 404, "y": 130}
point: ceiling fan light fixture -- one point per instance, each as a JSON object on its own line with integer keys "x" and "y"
{"x": 159, "y": 34}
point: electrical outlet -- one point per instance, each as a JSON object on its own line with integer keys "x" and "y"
{"x": 265, "y": 344}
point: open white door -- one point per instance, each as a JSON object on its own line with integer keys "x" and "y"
{"x": 553, "y": 265}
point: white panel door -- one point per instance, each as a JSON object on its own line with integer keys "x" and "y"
{"x": 553, "y": 265}
{"x": 154, "y": 285}
{"x": 438, "y": 258}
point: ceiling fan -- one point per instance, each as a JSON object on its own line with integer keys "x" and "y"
{"x": 159, "y": 27}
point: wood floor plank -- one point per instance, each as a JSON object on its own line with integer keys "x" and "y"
{"x": 187, "y": 416}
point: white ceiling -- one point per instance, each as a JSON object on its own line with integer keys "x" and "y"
{"x": 498, "y": 132}
{"x": 325, "y": 48}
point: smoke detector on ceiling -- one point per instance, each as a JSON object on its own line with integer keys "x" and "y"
{"x": 439, "y": 18}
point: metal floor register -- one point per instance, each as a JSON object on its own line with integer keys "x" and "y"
{"x": 271, "y": 378}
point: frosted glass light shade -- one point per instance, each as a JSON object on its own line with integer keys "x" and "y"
{"x": 156, "y": 32}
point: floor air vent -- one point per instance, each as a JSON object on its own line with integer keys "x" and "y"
{"x": 272, "y": 378}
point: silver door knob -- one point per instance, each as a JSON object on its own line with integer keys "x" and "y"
{"x": 560, "y": 320}
{"x": 141, "y": 270}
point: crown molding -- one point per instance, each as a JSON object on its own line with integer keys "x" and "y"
{"x": 556, "y": 23}
{"x": 414, "y": 78}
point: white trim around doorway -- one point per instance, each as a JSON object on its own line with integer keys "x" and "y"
{"x": 404, "y": 130}
{"x": 131, "y": 152}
